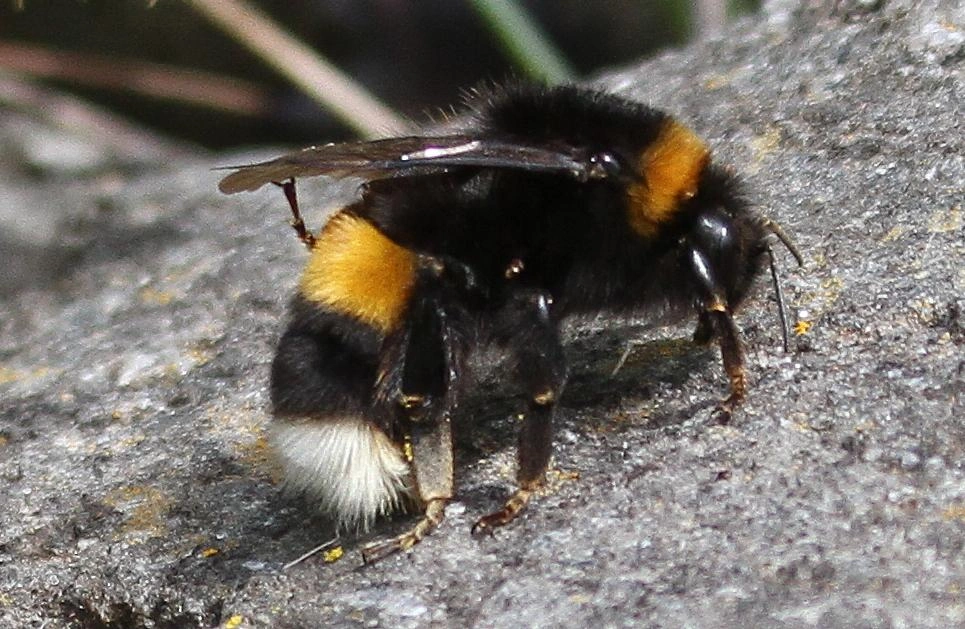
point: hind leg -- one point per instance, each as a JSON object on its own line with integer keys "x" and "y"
{"x": 421, "y": 367}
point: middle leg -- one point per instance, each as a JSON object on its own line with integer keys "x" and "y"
{"x": 541, "y": 368}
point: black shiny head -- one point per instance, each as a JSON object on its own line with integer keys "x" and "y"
{"x": 724, "y": 242}
{"x": 725, "y": 247}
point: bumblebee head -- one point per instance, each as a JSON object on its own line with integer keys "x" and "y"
{"x": 723, "y": 241}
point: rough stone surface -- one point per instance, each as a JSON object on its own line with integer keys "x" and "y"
{"x": 135, "y": 487}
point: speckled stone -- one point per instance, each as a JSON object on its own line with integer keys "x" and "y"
{"x": 136, "y": 490}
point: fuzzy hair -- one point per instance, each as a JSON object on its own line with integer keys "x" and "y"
{"x": 348, "y": 465}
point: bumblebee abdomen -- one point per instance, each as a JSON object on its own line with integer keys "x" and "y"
{"x": 357, "y": 271}
{"x": 325, "y": 362}
{"x": 328, "y": 431}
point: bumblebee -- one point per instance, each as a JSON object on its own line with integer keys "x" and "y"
{"x": 548, "y": 202}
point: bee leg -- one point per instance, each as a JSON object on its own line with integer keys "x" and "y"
{"x": 431, "y": 518}
{"x": 704, "y": 332}
{"x": 307, "y": 237}
{"x": 425, "y": 361}
{"x": 541, "y": 368}
{"x": 732, "y": 355}
{"x": 432, "y": 469}
{"x": 717, "y": 322}
{"x": 715, "y": 319}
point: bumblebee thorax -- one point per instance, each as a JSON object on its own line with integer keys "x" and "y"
{"x": 669, "y": 170}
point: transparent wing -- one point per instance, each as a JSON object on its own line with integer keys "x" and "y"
{"x": 407, "y": 156}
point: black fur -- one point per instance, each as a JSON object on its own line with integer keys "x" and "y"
{"x": 325, "y": 363}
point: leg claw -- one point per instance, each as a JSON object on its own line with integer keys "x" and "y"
{"x": 484, "y": 527}
{"x": 487, "y": 524}
{"x": 378, "y": 551}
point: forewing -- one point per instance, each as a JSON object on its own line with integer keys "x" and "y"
{"x": 400, "y": 157}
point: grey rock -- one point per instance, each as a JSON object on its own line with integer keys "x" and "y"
{"x": 136, "y": 490}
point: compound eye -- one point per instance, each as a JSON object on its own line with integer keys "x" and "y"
{"x": 714, "y": 227}
{"x": 605, "y": 165}
{"x": 715, "y": 231}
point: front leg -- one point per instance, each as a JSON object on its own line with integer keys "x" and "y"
{"x": 540, "y": 366}
{"x": 715, "y": 320}
{"x": 732, "y": 355}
